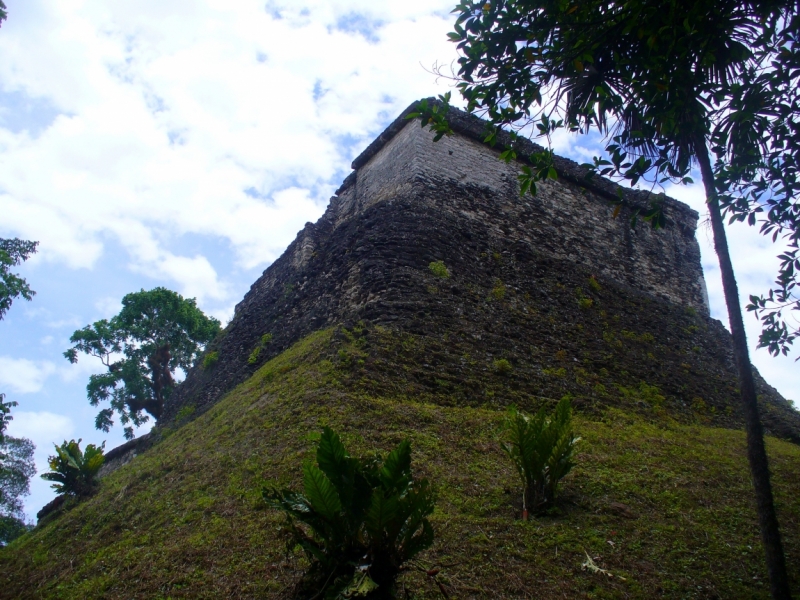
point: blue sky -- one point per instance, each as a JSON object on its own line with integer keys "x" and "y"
{"x": 184, "y": 144}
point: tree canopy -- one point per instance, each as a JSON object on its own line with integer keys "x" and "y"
{"x": 155, "y": 333}
{"x": 757, "y": 143}
{"x": 16, "y": 454}
{"x": 12, "y": 253}
{"x": 16, "y": 470}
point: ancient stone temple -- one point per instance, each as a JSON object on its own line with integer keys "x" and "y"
{"x": 411, "y": 201}
{"x": 428, "y": 299}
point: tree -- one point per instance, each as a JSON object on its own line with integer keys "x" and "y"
{"x": 758, "y": 155}
{"x": 16, "y": 470}
{"x": 660, "y": 79}
{"x": 12, "y": 253}
{"x": 16, "y": 454}
{"x": 155, "y": 333}
{"x": 5, "y": 415}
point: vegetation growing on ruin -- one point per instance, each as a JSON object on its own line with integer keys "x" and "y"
{"x": 661, "y": 504}
{"x": 439, "y": 269}
{"x": 358, "y": 520}
{"x": 74, "y": 471}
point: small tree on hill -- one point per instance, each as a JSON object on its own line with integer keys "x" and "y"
{"x": 155, "y": 333}
{"x": 542, "y": 448}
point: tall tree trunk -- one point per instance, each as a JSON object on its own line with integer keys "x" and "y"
{"x": 756, "y": 451}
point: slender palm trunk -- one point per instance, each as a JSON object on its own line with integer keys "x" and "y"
{"x": 756, "y": 451}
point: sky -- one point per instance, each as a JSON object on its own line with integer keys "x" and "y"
{"x": 184, "y": 144}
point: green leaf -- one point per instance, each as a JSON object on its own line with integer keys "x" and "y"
{"x": 396, "y": 469}
{"x": 381, "y": 512}
{"x": 321, "y": 493}
{"x": 421, "y": 541}
{"x": 331, "y": 455}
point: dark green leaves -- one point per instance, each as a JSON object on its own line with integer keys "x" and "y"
{"x": 155, "y": 333}
{"x": 5, "y": 414}
{"x": 16, "y": 469}
{"x": 381, "y": 513}
{"x": 75, "y": 472}
{"x": 322, "y": 496}
{"x": 542, "y": 448}
{"x": 12, "y": 253}
{"x": 434, "y": 114}
{"x": 757, "y": 170}
{"x": 358, "y": 520}
{"x": 396, "y": 471}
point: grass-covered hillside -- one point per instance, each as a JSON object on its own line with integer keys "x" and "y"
{"x": 662, "y": 505}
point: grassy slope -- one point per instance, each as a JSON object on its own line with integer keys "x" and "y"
{"x": 185, "y": 519}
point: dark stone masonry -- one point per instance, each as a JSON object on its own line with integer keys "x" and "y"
{"x": 575, "y": 301}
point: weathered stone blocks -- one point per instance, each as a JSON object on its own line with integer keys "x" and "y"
{"x": 410, "y": 202}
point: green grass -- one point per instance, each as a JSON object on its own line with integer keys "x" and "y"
{"x": 185, "y": 519}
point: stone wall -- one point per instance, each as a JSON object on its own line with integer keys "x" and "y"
{"x": 411, "y": 201}
{"x": 564, "y": 219}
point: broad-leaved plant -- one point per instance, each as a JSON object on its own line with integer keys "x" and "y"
{"x": 357, "y": 520}
{"x": 542, "y": 448}
{"x": 75, "y": 472}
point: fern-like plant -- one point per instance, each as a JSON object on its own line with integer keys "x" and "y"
{"x": 358, "y": 520}
{"x": 542, "y": 448}
{"x": 75, "y": 472}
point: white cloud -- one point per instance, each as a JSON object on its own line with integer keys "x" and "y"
{"x": 108, "y": 306}
{"x": 171, "y": 111}
{"x": 24, "y": 376}
{"x": 40, "y": 427}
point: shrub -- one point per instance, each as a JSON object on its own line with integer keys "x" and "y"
{"x": 542, "y": 449}
{"x": 439, "y": 269}
{"x": 585, "y": 303}
{"x": 649, "y": 394}
{"x": 499, "y": 290}
{"x": 594, "y": 284}
{"x": 253, "y": 358}
{"x": 502, "y": 366}
{"x": 11, "y": 528}
{"x": 185, "y": 413}
{"x": 75, "y": 472}
{"x": 210, "y": 359}
{"x": 358, "y": 520}
{"x": 265, "y": 340}
{"x": 559, "y": 372}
